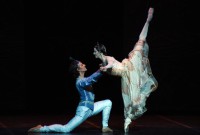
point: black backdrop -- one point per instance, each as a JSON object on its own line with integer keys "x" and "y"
{"x": 37, "y": 39}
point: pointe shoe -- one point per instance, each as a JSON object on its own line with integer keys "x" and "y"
{"x": 106, "y": 129}
{"x": 126, "y": 124}
{"x": 150, "y": 14}
{"x": 35, "y": 129}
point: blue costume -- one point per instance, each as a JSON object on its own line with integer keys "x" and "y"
{"x": 86, "y": 107}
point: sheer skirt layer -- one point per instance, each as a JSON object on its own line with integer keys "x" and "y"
{"x": 136, "y": 84}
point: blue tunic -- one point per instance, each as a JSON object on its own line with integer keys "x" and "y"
{"x": 84, "y": 87}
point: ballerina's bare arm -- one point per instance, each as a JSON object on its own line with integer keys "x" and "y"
{"x": 110, "y": 60}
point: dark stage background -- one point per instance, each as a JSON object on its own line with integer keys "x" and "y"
{"x": 37, "y": 38}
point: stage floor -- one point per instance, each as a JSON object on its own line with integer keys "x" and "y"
{"x": 145, "y": 125}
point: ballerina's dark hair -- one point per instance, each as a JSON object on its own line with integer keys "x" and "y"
{"x": 100, "y": 48}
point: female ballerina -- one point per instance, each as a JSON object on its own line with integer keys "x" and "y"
{"x": 137, "y": 80}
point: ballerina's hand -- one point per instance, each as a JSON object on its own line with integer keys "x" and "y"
{"x": 103, "y": 69}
